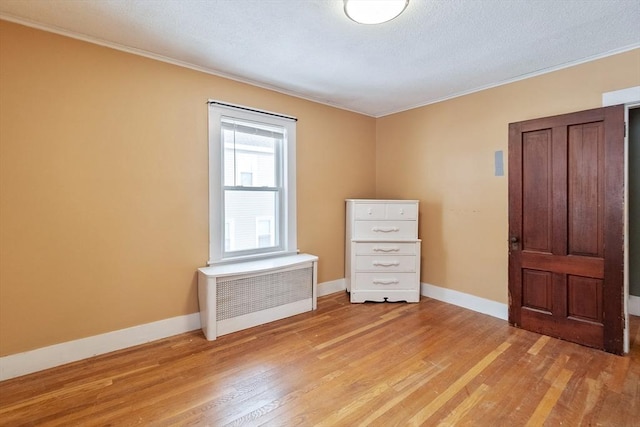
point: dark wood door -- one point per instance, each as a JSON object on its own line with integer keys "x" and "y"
{"x": 566, "y": 194}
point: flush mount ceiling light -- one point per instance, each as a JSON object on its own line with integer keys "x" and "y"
{"x": 374, "y": 11}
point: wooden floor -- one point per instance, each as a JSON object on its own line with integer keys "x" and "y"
{"x": 344, "y": 365}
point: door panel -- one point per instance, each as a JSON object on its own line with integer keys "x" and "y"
{"x": 536, "y": 183}
{"x": 585, "y": 298}
{"x": 586, "y": 186}
{"x": 537, "y": 290}
{"x": 565, "y": 226}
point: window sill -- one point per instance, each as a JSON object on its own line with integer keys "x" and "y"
{"x": 257, "y": 265}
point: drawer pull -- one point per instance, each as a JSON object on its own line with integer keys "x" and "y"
{"x": 385, "y": 282}
{"x": 386, "y": 264}
{"x": 385, "y": 229}
{"x": 386, "y": 248}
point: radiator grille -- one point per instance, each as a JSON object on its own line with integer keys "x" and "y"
{"x": 236, "y": 297}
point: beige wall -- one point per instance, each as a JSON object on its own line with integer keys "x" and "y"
{"x": 443, "y": 155}
{"x": 103, "y": 180}
{"x": 103, "y": 185}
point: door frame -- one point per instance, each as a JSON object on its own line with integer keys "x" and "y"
{"x": 630, "y": 97}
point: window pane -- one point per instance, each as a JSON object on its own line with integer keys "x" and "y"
{"x": 264, "y": 241}
{"x": 252, "y": 214}
{"x": 264, "y": 232}
{"x": 250, "y": 149}
{"x": 246, "y": 179}
{"x": 227, "y": 236}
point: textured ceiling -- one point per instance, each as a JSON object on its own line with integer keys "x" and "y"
{"x": 436, "y": 50}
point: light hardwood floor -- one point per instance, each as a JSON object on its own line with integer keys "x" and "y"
{"x": 343, "y": 365}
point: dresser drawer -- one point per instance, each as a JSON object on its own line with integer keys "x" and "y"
{"x": 369, "y": 211}
{"x": 388, "y": 281}
{"x": 402, "y": 211}
{"x": 385, "y": 263}
{"x": 385, "y": 230}
{"x": 375, "y": 211}
{"x": 385, "y": 248}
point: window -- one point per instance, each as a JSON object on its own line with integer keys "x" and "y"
{"x": 265, "y": 234}
{"x": 229, "y": 233}
{"x": 251, "y": 183}
{"x": 246, "y": 178}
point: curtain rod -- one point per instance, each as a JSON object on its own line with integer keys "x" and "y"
{"x": 241, "y": 107}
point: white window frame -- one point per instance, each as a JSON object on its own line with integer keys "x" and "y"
{"x": 287, "y": 223}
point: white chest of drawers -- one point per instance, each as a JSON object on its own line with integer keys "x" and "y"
{"x": 382, "y": 252}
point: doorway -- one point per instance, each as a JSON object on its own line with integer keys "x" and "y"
{"x": 630, "y": 98}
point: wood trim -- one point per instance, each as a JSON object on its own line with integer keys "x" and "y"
{"x": 622, "y": 96}
{"x": 570, "y": 264}
{"x": 515, "y": 219}
{"x": 559, "y": 190}
{"x": 614, "y": 231}
{"x": 562, "y": 120}
{"x": 331, "y": 287}
{"x": 468, "y": 301}
{"x": 19, "y": 364}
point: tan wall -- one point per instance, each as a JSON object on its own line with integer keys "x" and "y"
{"x": 443, "y": 154}
{"x": 103, "y": 185}
{"x": 103, "y": 180}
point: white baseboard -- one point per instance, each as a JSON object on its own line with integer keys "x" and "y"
{"x": 471, "y": 302}
{"x": 326, "y": 288}
{"x": 634, "y": 305}
{"x": 492, "y": 308}
{"x": 19, "y": 364}
{"x": 16, "y": 365}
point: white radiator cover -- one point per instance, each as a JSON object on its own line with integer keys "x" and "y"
{"x": 239, "y": 296}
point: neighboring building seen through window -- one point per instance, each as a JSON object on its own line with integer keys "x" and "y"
{"x": 252, "y": 184}
{"x": 252, "y": 198}
{"x": 265, "y": 235}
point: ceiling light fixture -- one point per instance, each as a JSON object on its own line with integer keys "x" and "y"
{"x": 374, "y": 11}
